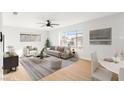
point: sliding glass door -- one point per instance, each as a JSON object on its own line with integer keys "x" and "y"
{"x": 73, "y": 39}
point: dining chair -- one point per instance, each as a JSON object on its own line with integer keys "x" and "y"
{"x": 98, "y": 72}
{"x": 121, "y": 74}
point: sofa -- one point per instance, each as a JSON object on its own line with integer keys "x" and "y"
{"x": 60, "y": 52}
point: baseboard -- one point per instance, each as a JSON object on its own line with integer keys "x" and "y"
{"x": 85, "y": 59}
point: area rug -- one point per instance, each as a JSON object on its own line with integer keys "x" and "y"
{"x": 38, "y": 68}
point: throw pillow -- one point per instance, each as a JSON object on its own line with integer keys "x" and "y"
{"x": 52, "y": 48}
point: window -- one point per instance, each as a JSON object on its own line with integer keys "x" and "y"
{"x": 27, "y": 37}
{"x": 72, "y": 39}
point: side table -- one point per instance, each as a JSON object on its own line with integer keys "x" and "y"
{"x": 10, "y": 63}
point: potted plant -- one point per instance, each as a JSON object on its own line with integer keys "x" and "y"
{"x": 47, "y": 44}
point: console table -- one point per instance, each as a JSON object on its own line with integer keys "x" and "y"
{"x": 10, "y": 62}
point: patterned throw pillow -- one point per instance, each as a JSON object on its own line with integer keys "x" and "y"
{"x": 62, "y": 49}
{"x": 52, "y": 48}
{"x": 67, "y": 50}
{"x": 58, "y": 48}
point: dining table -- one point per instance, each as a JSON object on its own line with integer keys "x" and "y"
{"x": 113, "y": 66}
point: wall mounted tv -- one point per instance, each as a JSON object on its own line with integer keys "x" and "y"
{"x": 101, "y": 36}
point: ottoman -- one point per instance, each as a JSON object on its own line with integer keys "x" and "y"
{"x": 56, "y": 64}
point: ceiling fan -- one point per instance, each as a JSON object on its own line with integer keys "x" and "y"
{"x": 48, "y": 24}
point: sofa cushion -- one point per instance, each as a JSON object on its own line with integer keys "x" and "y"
{"x": 67, "y": 50}
{"x": 53, "y": 52}
{"x": 60, "y": 49}
{"x": 52, "y": 48}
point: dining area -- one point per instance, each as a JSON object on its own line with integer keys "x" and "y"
{"x": 104, "y": 69}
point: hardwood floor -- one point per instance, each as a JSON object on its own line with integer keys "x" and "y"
{"x": 19, "y": 75}
{"x": 80, "y": 70}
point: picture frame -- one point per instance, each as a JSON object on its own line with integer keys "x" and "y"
{"x": 101, "y": 36}
{"x": 0, "y": 36}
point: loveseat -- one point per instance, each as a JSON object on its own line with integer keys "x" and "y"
{"x": 62, "y": 52}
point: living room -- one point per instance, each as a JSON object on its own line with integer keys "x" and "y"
{"x": 31, "y": 32}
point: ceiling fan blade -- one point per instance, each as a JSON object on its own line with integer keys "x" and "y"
{"x": 51, "y": 26}
{"x": 40, "y": 23}
{"x": 43, "y": 25}
{"x": 55, "y": 24}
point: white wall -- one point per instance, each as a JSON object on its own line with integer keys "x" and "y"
{"x": 114, "y": 21}
{"x": 12, "y": 38}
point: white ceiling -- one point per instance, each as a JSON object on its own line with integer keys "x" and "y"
{"x": 30, "y": 19}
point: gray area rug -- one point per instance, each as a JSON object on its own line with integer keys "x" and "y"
{"x": 38, "y": 68}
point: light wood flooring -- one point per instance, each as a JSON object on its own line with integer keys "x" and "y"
{"x": 79, "y": 70}
{"x": 19, "y": 75}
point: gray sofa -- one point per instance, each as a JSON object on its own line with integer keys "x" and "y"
{"x": 57, "y": 51}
